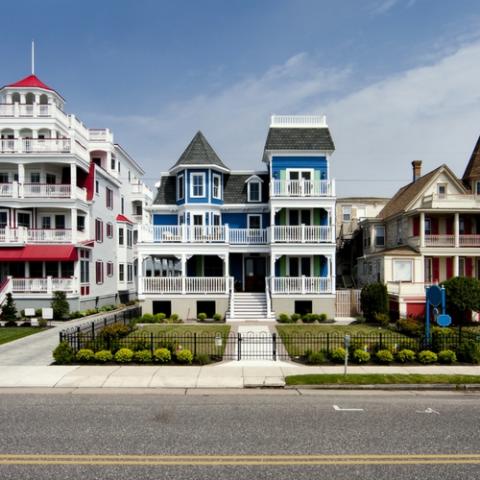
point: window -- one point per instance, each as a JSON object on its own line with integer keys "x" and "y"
{"x": 23, "y": 219}
{"x": 380, "y": 236}
{"x": 402, "y": 270}
{"x": 60, "y": 222}
{"x": 121, "y": 272}
{"x": 122, "y": 206}
{"x": 3, "y": 218}
{"x": 121, "y": 236}
{"x": 80, "y": 223}
{"x": 35, "y": 177}
{"x": 129, "y": 272}
{"x": 254, "y": 221}
{"x": 346, "y": 213}
{"x": 428, "y": 270}
{"x": 84, "y": 266}
{"x": 109, "y": 230}
{"x": 180, "y": 187}
{"x": 46, "y": 223}
{"x": 99, "y": 272}
{"x": 254, "y": 191}
{"x": 216, "y": 219}
{"x": 98, "y": 230}
{"x": 442, "y": 190}
{"x": 361, "y": 212}
{"x": 3, "y": 177}
{"x": 197, "y": 189}
{"x": 129, "y": 238}
{"x": 129, "y": 175}
{"x": 217, "y": 186}
{"x": 109, "y": 269}
{"x": 198, "y": 220}
{"x": 97, "y": 187}
{"x": 428, "y": 226}
{"x": 109, "y": 197}
{"x": 112, "y": 163}
{"x": 50, "y": 179}
{"x": 119, "y": 167}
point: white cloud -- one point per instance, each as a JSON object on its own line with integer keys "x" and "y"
{"x": 431, "y": 113}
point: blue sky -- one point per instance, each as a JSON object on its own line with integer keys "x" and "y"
{"x": 397, "y": 79}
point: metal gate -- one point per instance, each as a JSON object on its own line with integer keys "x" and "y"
{"x": 348, "y": 303}
{"x": 253, "y": 346}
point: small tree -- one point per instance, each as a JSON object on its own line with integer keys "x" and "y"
{"x": 374, "y": 300}
{"x": 60, "y": 306}
{"x": 9, "y": 311}
{"x": 463, "y": 296}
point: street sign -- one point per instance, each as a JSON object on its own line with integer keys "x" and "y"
{"x": 29, "y": 312}
{"x": 47, "y": 313}
{"x": 434, "y": 295}
{"x": 444, "y": 320}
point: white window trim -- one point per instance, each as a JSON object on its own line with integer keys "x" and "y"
{"x": 402, "y": 260}
{"x": 220, "y": 190}
{"x": 250, "y": 215}
{"x": 259, "y": 191}
{"x": 442, "y": 184}
{"x": 203, "y": 176}
{"x": 192, "y": 219}
{"x": 182, "y": 176}
{"x": 300, "y": 171}
{"x": 344, "y": 207}
{"x": 375, "y": 233}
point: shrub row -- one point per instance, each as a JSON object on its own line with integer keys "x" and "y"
{"x": 160, "y": 318}
{"x": 307, "y": 318}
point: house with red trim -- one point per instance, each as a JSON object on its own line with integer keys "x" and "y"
{"x": 70, "y": 202}
{"x": 427, "y": 233}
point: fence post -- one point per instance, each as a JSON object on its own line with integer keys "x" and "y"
{"x": 93, "y": 331}
{"x": 61, "y": 337}
{"x": 381, "y": 342}
{"x": 274, "y": 344}
{"x": 194, "y": 344}
{"x": 151, "y": 343}
{"x": 239, "y": 346}
{"x": 78, "y": 339}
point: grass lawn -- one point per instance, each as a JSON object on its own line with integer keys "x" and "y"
{"x": 299, "y": 338}
{"x": 182, "y": 335}
{"x": 8, "y": 334}
{"x": 379, "y": 379}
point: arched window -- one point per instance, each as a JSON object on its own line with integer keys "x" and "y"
{"x": 16, "y": 98}
{"x": 43, "y": 99}
{"x": 29, "y": 98}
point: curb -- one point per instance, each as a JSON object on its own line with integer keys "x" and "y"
{"x": 392, "y": 386}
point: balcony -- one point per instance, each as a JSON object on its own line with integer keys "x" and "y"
{"x": 23, "y": 235}
{"x": 287, "y": 285}
{"x": 446, "y": 240}
{"x": 46, "y": 285}
{"x": 100, "y": 135}
{"x": 22, "y": 110}
{"x": 302, "y": 188}
{"x": 41, "y": 190}
{"x": 34, "y": 145}
{"x": 186, "y": 285}
{"x": 412, "y": 289}
{"x": 302, "y": 234}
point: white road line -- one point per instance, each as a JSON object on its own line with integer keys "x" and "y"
{"x": 338, "y": 409}
{"x": 428, "y": 410}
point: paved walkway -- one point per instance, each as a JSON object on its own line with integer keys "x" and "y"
{"x": 224, "y": 375}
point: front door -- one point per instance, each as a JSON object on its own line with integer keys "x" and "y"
{"x": 255, "y": 271}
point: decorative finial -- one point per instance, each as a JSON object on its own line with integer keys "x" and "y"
{"x": 33, "y": 57}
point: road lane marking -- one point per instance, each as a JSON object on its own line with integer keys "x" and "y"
{"x": 428, "y": 410}
{"x": 338, "y": 409}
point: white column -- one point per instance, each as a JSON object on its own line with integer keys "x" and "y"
{"x": 73, "y": 179}
{"x": 226, "y": 266}
{"x": 76, "y": 276}
{"x": 73, "y": 224}
{"x": 184, "y": 271}
{"x": 422, "y": 229}
{"x": 21, "y": 179}
{"x": 456, "y": 266}
{"x": 140, "y": 274}
{"x": 456, "y": 231}
{"x": 333, "y": 273}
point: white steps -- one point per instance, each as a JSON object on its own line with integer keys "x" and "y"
{"x": 248, "y": 307}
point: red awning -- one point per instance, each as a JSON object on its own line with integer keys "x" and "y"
{"x": 39, "y": 253}
{"x": 123, "y": 218}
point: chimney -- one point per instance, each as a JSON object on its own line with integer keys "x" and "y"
{"x": 417, "y": 169}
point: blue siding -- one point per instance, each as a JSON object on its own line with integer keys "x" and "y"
{"x": 206, "y": 189}
{"x": 323, "y": 217}
{"x": 323, "y": 266}
{"x": 282, "y": 163}
{"x": 161, "y": 219}
{"x": 235, "y": 220}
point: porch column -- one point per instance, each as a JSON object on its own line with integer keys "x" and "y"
{"x": 422, "y": 229}
{"x": 456, "y": 265}
{"x": 226, "y": 266}
{"x": 73, "y": 179}
{"x": 333, "y": 273}
{"x": 76, "y": 276}
{"x": 456, "y": 226}
{"x": 73, "y": 224}
{"x": 21, "y": 179}
{"x": 184, "y": 271}
{"x": 139, "y": 274}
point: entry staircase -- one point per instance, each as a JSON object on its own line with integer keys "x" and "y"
{"x": 250, "y": 307}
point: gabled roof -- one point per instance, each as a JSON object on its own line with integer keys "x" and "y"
{"x": 473, "y": 167}
{"x": 31, "y": 81}
{"x": 199, "y": 153}
{"x": 299, "y": 139}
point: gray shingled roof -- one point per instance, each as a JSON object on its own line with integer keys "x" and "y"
{"x": 299, "y": 139}
{"x": 234, "y": 189}
{"x": 199, "y": 152}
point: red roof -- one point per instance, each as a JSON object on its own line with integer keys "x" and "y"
{"x": 39, "y": 253}
{"x": 31, "y": 81}
{"x": 123, "y": 218}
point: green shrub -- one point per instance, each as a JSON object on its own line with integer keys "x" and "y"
{"x": 42, "y": 323}
{"x": 38, "y": 312}
{"x": 114, "y": 331}
{"x": 85, "y": 355}
{"x": 104, "y": 356}
{"x": 447, "y": 356}
{"x": 175, "y": 318}
{"x": 60, "y": 306}
{"x": 147, "y": 318}
{"x": 124, "y": 355}
{"x": 406, "y": 355}
{"x": 322, "y": 317}
{"x": 316, "y": 358}
{"x": 162, "y": 355}
{"x": 202, "y": 317}
{"x": 283, "y": 318}
{"x": 203, "y": 359}
{"x": 384, "y": 356}
{"x": 469, "y": 351}
{"x": 295, "y": 317}
{"x": 9, "y": 311}
{"x": 184, "y": 356}
{"x": 338, "y": 355}
{"x": 374, "y": 299}
{"x": 361, "y": 356}
{"x": 63, "y": 353}
{"x": 427, "y": 356}
{"x": 76, "y": 314}
{"x": 143, "y": 356}
{"x": 159, "y": 318}
{"x": 309, "y": 318}
{"x": 91, "y": 311}
{"x": 382, "y": 319}
{"x": 217, "y": 317}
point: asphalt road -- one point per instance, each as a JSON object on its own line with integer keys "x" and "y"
{"x": 239, "y": 435}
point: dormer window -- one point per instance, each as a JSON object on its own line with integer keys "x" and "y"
{"x": 254, "y": 191}
{"x": 180, "y": 186}
{"x": 216, "y": 186}
{"x": 197, "y": 185}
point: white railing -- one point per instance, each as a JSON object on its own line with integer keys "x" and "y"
{"x": 100, "y": 134}
{"x": 247, "y": 236}
{"x": 440, "y": 240}
{"x": 42, "y": 285}
{"x": 469, "y": 240}
{"x": 49, "y": 236}
{"x": 45, "y": 190}
{"x": 291, "y": 121}
{"x": 22, "y": 110}
{"x": 407, "y": 288}
{"x": 190, "y": 285}
{"x": 206, "y": 234}
{"x": 8, "y": 145}
{"x": 167, "y": 233}
{"x": 34, "y": 145}
{"x": 301, "y": 234}
{"x": 12, "y": 235}
{"x": 6, "y": 189}
{"x": 284, "y": 285}
{"x": 268, "y": 297}
{"x": 302, "y": 188}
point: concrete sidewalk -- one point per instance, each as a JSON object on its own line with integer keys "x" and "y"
{"x": 225, "y": 375}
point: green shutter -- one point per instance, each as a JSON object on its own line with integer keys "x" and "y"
{"x": 316, "y": 266}
{"x": 282, "y": 215}
{"x": 283, "y": 266}
{"x": 316, "y": 216}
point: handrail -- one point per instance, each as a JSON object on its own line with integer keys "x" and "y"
{"x": 232, "y": 292}
{"x": 267, "y": 296}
